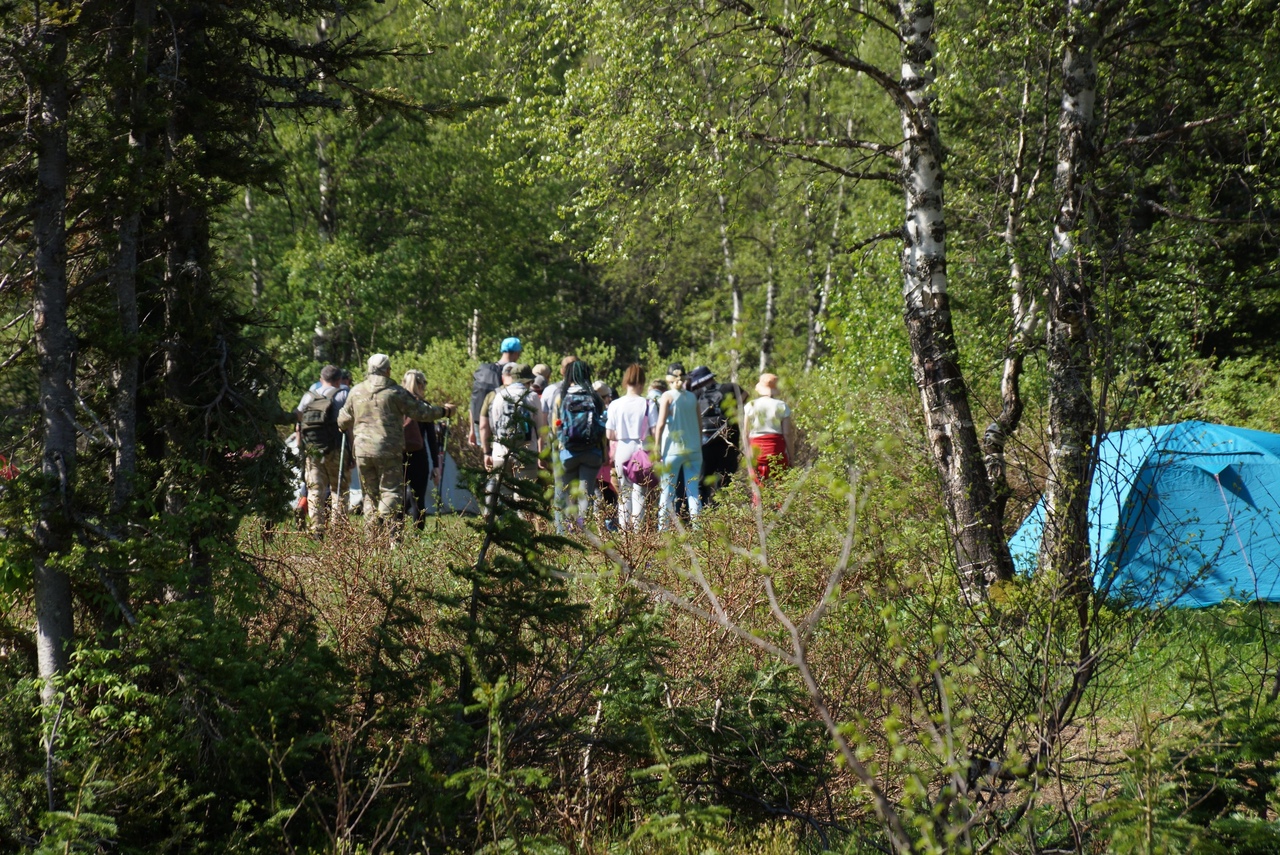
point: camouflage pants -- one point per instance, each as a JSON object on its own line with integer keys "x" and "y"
{"x": 324, "y": 483}
{"x": 382, "y": 480}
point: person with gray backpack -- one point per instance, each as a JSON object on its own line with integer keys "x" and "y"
{"x": 511, "y": 428}
{"x": 322, "y": 447}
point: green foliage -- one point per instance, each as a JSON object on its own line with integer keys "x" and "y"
{"x": 492, "y": 687}
{"x": 679, "y": 826}
{"x": 184, "y": 716}
{"x": 1243, "y": 392}
{"x": 499, "y": 792}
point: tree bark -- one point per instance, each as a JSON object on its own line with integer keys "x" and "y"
{"x": 124, "y": 271}
{"x": 129, "y": 99}
{"x": 328, "y": 210}
{"x": 730, "y": 275}
{"x": 821, "y": 296}
{"x": 770, "y": 299}
{"x": 1072, "y": 420}
{"x": 55, "y": 348}
{"x": 255, "y": 274}
{"x": 1025, "y": 306}
{"x": 814, "y": 279}
{"x": 981, "y": 552}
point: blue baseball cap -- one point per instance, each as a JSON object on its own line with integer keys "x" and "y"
{"x": 511, "y": 345}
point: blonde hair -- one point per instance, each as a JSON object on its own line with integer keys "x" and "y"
{"x": 413, "y": 378}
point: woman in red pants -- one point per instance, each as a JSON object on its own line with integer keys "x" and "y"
{"x": 769, "y": 430}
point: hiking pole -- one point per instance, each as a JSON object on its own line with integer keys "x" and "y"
{"x": 343, "y": 481}
{"x": 443, "y": 433}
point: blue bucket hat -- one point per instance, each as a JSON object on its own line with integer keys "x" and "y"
{"x": 511, "y": 345}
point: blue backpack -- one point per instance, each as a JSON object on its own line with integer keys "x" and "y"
{"x": 580, "y": 422}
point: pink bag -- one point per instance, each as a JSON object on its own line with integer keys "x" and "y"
{"x": 639, "y": 469}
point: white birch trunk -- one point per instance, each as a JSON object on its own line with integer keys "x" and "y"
{"x": 818, "y": 311}
{"x": 770, "y": 300}
{"x": 730, "y": 276}
{"x": 1072, "y": 420}
{"x": 981, "y": 553}
{"x": 255, "y": 274}
{"x": 1025, "y": 306}
{"x": 327, "y": 219}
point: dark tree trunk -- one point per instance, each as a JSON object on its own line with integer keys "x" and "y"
{"x": 130, "y": 99}
{"x": 186, "y": 272}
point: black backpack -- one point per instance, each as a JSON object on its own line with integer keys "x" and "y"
{"x": 711, "y": 408}
{"x": 488, "y": 377}
{"x": 319, "y": 421}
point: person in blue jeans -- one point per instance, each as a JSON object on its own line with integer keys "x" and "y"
{"x": 580, "y": 465}
{"x": 678, "y": 437}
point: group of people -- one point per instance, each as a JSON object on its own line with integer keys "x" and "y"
{"x": 377, "y": 426}
{"x": 680, "y": 435}
{"x": 598, "y": 445}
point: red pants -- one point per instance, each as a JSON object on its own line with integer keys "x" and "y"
{"x": 768, "y": 455}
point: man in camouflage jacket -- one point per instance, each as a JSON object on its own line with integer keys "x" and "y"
{"x": 376, "y": 409}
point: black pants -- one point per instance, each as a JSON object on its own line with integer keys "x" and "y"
{"x": 417, "y": 474}
{"x": 719, "y": 462}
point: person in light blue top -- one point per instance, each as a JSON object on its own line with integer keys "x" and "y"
{"x": 678, "y": 437}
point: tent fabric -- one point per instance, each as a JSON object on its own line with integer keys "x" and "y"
{"x": 450, "y": 498}
{"x": 1181, "y": 515}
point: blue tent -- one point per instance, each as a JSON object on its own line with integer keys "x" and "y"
{"x": 1185, "y": 514}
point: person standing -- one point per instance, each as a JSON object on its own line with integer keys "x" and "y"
{"x": 718, "y": 416}
{"x": 375, "y": 413}
{"x": 604, "y": 480}
{"x": 487, "y": 378}
{"x": 548, "y": 398}
{"x": 417, "y": 453}
{"x": 511, "y": 421}
{"x": 541, "y": 378}
{"x": 769, "y": 430}
{"x": 678, "y": 437}
{"x": 630, "y": 424}
{"x": 551, "y": 390}
{"x": 580, "y": 436}
{"x": 321, "y": 443}
{"x": 348, "y": 456}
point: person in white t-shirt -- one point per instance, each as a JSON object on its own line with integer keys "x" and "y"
{"x": 769, "y": 430}
{"x": 630, "y": 424}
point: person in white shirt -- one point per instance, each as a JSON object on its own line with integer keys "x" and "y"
{"x": 630, "y": 424}
{"x": 769, "y": 430}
